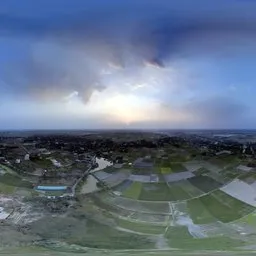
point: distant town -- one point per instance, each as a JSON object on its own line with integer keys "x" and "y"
{"x": 139, "y": 186}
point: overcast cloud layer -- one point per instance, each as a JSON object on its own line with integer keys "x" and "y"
{"x": 118, "y": 64}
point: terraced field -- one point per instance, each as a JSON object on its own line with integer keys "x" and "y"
{"x": 133, "y": 191}
{"x": 189, "y": 213}
{"x": 205, "y": 183}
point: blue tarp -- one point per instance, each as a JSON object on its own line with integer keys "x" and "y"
{"x": 51, "y": 188}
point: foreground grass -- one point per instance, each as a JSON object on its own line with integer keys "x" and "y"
{"x": 89, "y": 233}
{"x": 214, "y": 243}
{"x": 141, "y": 227}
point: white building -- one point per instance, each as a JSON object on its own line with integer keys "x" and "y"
{"x": 17, "y": 161}
{"x": 56, "y": 163}
{"x": 27, "y": 157}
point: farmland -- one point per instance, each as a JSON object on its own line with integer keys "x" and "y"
{"x": 168, "y": 197}
{"x": 133, "y": 191}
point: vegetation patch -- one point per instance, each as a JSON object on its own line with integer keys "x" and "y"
{"x": 141, "y": 227}
{"x": 133, "y": 191}
{"x": 13, "y": 180}
{"x": 177, "y": 192}
{"x": 177, "y": 232}
{"x": 189, "y": 188}
{"x": 225, "y": 207}
{"x": 214, "y": 243}
{"x": 204, "y": 183}
{"x": 88, "y": 233}
{"x": 198, "y": 212}
{"x": 176, "y": 167}
{"x": 6, "y": 189}
{"x": 155, "y": 192}
{"x": 166, "y": 170}
{"x": 217, "y": 205}
{"x": 249, "y": 219}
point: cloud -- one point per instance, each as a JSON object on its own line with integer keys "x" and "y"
{"x": 143, "y": 49}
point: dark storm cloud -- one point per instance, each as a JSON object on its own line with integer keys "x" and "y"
{"x": 123, "y": 33}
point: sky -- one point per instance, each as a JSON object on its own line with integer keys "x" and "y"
{"x": 119, "y": 64}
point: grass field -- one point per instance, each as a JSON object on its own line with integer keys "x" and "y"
{"x": 204, "y": 183}
{"x": 198, "y": 212}
{"x": 155, "y": 192}
{"x": 133, "y": 191}
{"x": 13, "y": 180}
{"x": 213, "y": 243}
{"x": 249, "y": 176}
{"x": 6, "y": 189}
{"x": 88, "y": 233}
{"x": 161, "y": 208}
{"x": 235, "y": 208}
{"x": 177, "y": 232}
{"x": 177, "y": 192}
{"x": 219, "y": 205}
{"x": 141, "y": 227}
{"x": 165, "y": 170}
{"x": 248, "y": 220}
{"x": 175, "y": 167}
{"x": 191, "y": 190}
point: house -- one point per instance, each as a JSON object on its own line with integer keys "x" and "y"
{"x": 27, "y": 157}
{"x": 17, "y": 161}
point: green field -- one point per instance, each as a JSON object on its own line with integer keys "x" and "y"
{"x": 133, "y": 191}
{"x": 204, "y": 183}
{"x": 177, "y": 192}
{"x": 235, "y": 208}
{"x": 249, "y": 219}
{"x": 141, "y": 227}
{"x": 155, "y": 192}
{"x": 179, "y": 237}
{"x": 219, "y": 205}
{"x": 177, "y": 232}
{"x": 13, "y": 180}
{"x": 177, "y": 167}
{"x": 165, "y": 170}
{"x": 191, "y": 190}
{"x": 88, "y": 233}
{"x": 198, "y": 212}
{"x": 249, "y": 176}
{"x": 6, "y": 189}
{"x": 213, "y": 243}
